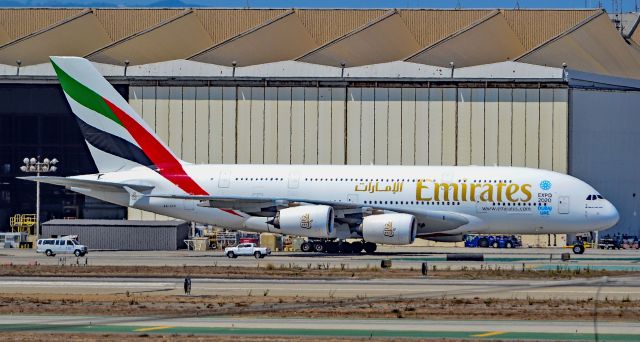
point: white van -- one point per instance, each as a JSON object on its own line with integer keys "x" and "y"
{"x": 51, "y": 247}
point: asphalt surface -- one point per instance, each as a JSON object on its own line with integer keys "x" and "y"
{"x": 402, "y": 257}
{"x": 508, "y": 330}
{"x": 613, "y": 288}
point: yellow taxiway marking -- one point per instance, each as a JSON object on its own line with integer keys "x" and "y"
{"x": 154, "y": 328}
{"x": 490, "y": 333}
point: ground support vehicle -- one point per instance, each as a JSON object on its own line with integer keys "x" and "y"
{"x": 64, "y": 245}
{"x": 247, "y": 249}
{"x": 610, "y": 243}
{"x": 499, "y": 241}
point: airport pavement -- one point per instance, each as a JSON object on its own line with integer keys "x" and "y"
{"x": 402, "y": 257}
{"x": 390, "y": 328}
{"x": 627, "y": 288}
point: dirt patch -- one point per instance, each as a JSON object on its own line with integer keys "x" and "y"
{"x": 318, "y": 270}
{"x": 268, "y": 306}
{"x": 48, "y": 337}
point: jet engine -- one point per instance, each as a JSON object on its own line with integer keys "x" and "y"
{"x": 392, "y": 229}
{"x": 307, "y": 220}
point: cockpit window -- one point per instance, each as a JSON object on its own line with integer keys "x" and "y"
{"x": 589, "y": 197}
{"x": 594, "y": 197}
{"x": 600, "y": 197}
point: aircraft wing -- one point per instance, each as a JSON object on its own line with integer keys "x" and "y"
{"x": 70, "y": 182}
{"x": 350, "y": 213}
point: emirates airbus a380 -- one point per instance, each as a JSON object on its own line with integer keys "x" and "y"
{"x": 377, "y": 204}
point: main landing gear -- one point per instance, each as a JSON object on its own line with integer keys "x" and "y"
{"x": 341, "y": 247}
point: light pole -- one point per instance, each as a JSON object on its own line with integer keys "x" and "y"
{"x": 34, "y": 165}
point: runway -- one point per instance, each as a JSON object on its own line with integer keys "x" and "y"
{"x": 508, "y": 330}
{"x": 614, "y": 288}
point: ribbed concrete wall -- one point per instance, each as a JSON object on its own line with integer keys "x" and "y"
{"x": 387, "y": 126}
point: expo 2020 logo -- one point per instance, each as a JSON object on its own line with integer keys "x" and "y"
{"x": 545, "y": 185}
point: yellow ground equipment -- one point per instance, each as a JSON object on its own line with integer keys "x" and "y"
{"x": 23, "y": 223}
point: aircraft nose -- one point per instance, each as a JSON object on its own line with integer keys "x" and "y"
{"x": 609, "y": 216}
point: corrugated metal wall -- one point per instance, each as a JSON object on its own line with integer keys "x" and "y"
{"x": 388, "y": 126}
{"x": 128, "y": 238}
{"x": 605, "y": 135}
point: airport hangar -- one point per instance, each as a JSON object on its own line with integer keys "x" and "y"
{"x": 551, "y": 89}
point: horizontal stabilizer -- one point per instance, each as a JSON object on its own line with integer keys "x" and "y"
{"x": 90, "y": 184}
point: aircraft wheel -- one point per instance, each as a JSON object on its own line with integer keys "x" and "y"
{"x": 345, "y": 248}
{"x": 319, "y": 247}
{"x": 332, "y": 247}
{"x": 356, "y": 247}
{"x": 305, "y": 247}
{"x": 370, "y": 247}
{"x": 578, "y": 249}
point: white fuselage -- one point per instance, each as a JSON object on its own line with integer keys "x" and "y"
{"x": 505, "y": 200}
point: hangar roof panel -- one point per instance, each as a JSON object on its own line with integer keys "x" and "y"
{"x": 4, "y": 36}
{"x": 223, "y": 24}
{"x": 534, "y": 27}
{"x": 398, "y": 69}
{"x": 73, "y": 36}
{"x": 282, "y": 38}
{"x": 150, "y": 46}
{"x": 8, "y": 69}
{"x": 509, "y": 70}
{"x": 288, "y": 69}
{"x": 181, "y": 67}
{"x": 430, "y": 26}
{"x": 342, "y": 22}
{"x": 593, "y": 45}
{"x": 322, "y": 36}
{"x": 20, "y": 22}
{"x": 122, "y": 23}
{"x": 384, "y": 40}
{"x": 485, "y": 41}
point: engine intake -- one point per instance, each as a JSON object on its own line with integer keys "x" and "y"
{"x": 391, "y": 229}
{"x": 307, "y": 220}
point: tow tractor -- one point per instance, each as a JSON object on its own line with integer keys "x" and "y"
{"x": 495, "y": 241}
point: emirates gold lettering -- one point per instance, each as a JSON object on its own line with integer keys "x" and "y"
{"x": 430, "y": 190}
{"x": 446, "y": 188}
{"x": 487, "y": 194}
{"x": 512, "y": 189}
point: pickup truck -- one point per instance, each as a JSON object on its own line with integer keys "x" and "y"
{"x": 247, "y": 249}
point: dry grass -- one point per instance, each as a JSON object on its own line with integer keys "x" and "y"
{"x": 67, "y": 337}
{"x": 270, "y": 271}
{"x": 273, "y": 306}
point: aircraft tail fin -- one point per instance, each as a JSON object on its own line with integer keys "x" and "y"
{"x": 116, "y": 135}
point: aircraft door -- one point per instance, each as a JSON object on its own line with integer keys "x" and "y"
{"x": 294, "y": 180}
{"x": 224, "y": 181}
{"x": 563, "y": 204}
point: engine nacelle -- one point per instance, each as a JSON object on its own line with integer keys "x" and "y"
{"x": 306, "y": 220}
{"x": 391, "y": 229}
